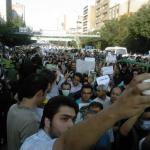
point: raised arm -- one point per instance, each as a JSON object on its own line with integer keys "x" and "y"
{"x": 83, "y": 135}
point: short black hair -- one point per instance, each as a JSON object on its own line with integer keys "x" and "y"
{"x": 31, "y": 85}
{"x": 86, "y": 86}
{"x": 49, "y": 74}
{"x": 65, "y": 83}
{"x": 53, "y": 105}
{"x": 95, "y": 104}
{"x": 78, "y": 75}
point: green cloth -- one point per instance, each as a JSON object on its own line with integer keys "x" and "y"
{"x": 134, "y": 62}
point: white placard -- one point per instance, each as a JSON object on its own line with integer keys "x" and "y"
{"x": 84, "y": 66}
{"x": 51, "y": 67}
{"x": 149, "y": 52}
{"x": 111, "y": 58}
{"x": 107, "y": 70}
{"x": 103, "y": 80}
{"x": 89, "y": 59}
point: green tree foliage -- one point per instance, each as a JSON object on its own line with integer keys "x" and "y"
{"x": 17, "y": 22}
{"x": 12, "y": 40}
{"x": 131, "y": 31}
{"x": 95, "y": 42}
{"x": 139, "y": 30}
{"x": 114, "y": 32}
{"x": 140, "y": 23}
{"x": 9, "y": 34}
{"x": 72, "y": 44}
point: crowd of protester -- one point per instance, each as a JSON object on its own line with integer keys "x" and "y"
{"x": 42, "y": 97}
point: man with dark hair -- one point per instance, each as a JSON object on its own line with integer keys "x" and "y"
{"x": 86, "y": 93}
{"x": 58, "y": 116}
{"x": 51, "y": 77}
{"x": 65, "y": 88}
{"x": 22, "y": 119}
{"x": 76, "y": 83}
{"x": 115, "y": 93}
{"x": 84, "y": 100}
{"x": 102, "y": 97}
{"x": 129, "y": 104}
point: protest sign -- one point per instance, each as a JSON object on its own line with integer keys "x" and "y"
{"x": 51, "y": 67}
{"x": 89, "y": 59}
{"x": 84, "y": 66}
{"x": 107, "y": 70}
{"x": 103, "y": 80}
{"x": 111, "y": 58}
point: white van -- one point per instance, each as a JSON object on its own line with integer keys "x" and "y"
{"x": 117, "y": 50}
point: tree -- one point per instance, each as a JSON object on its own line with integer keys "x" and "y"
{"x": 9, "y": 36}
{"x": 90, "y": 41}
{"x": 12, "y": 40}
{"x": 72, "y": 44}
{"x": 139, "y": 30}
{"x": 108, "y": 33}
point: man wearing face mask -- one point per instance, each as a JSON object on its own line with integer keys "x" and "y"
{"x": 65, "y": 89}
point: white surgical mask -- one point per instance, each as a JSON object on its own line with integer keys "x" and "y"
{"x": 65, "y": 92}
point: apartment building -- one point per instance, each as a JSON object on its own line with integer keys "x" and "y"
{"x": 2, "y": 10}
{"x": 89, "y": 19}
{"x": 123, "y": 7}
{"x": 18, "y": 10}
{"x": 102, "y": 12}
{"x": 9, "y": 10}
{"x": 111, "y": 9}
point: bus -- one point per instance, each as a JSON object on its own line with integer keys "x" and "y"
{"x": 117, "y": 50}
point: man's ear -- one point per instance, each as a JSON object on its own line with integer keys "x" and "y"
{"x": 49, "y": 87}
{"x": 46, "y": 123}
{"x": 39, "y": 93}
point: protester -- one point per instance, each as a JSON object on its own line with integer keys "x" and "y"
{"x": 58, "y": 116}
{"x": 63, "y": 67}
{"x": 102, "y": 97}
{"x": 65, "y": 88}
{"x": 22, "y": 120}
{"x": 129, "y": 104}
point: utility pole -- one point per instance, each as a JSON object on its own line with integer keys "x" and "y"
{"x": 9, "y": 10}
{"x": 129, "y": 4}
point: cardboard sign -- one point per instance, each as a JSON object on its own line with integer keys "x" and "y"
{"x": 51, "y": 67}
{"x": 111, "y": 58}
{"x": 103, "y": 80}
{"x": 89, "y": 59}
{"x": 107, "y": 70}
{"x": 84, "y": 66}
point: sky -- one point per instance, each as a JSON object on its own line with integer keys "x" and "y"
{"x": 45, "y": 14}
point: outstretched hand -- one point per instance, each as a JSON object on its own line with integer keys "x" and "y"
{"x": 132, "y": 101}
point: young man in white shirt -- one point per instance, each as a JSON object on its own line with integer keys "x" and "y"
{"x": 83, "y": 135}
{"x": 58, "y": 116}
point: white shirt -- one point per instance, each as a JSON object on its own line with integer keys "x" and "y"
{"x": 38, "y": 141}
{"x": 106, "y": 102}
{"x": 54, "y": 92}
{"x": 75, "y": 89}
